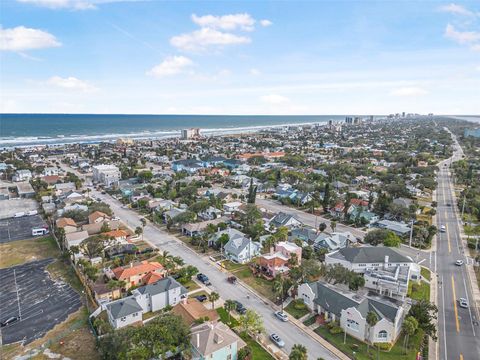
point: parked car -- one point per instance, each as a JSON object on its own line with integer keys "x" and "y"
{"x": 201, "y": 298}
{"x": 443, "y": 228}
{"x": 203, "y": 279}
{"x": 19, "y": 214}
{"x": 240, "y": 308}
{"x": 232, "y": 280}
{"x": 281, "y": 315}
{"x": 277, "y": 340}
{"x": 459, "y": 262}
{"x": 9, "y": 321}
{"x": 463, "y": 303}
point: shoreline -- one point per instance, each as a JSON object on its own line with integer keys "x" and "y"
{"x": 30, "y": 142}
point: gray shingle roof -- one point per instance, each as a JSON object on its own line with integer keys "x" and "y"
{"x": 123, "y": 307}
{"x": 236, "y": 245}
{"x": 370, "y": 254}
{"x": 162, "y": 286}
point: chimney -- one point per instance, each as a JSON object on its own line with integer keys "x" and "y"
{"x": 386, "y": 261}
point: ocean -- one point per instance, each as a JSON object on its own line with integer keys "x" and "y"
{"x": 42, "y": 129}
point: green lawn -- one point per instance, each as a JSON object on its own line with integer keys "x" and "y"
{"x": 360, "y": 348}
{"x": 191, "y": 285}
{"x": 310, "y": 321}
{"x": 297, "y": 309}
{"x": 225, "y": 318}
{"x": 232, "y": 266}
{"x": 258, "y": 352}
{"x": 259, "y": 284}
{"x": 22, "y": 251}
{"x": 419, "y": 291}
{"x": 426, "y": 273}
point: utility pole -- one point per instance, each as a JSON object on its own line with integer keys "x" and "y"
{"x": 411, "y": 234}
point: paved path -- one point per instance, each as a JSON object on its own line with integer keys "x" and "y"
{"x": 290, "y": 333}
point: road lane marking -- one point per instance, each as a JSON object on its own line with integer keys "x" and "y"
{"x": 448, "y": 238}
{"x": 457, "y": 322}
{"x": 461, "y": 357}
{"x": 443, "y": 311}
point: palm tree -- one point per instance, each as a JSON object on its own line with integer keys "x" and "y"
{"x": 212, "y": 297}
{"x": 409, "y": 326}
{"x": 164, "y": 257}
{"x": 229, "y": 305}
{"x": 333, "y": 225}
{"x": 144, "y": 223}
{"x": 277, "y": 288}
{"x": 372, "y": 319}
{"x": 299, "y": 352}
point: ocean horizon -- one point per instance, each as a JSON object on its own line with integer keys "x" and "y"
{"x": 21, "y": 130}
{"x": 53, "y": 129}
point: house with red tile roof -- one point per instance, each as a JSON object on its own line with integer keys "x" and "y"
{"x": 67, "y": 224}
{"x": 141, "y": 273}
{"x": 119, "y": 235}
{"x": 97, "y": 217}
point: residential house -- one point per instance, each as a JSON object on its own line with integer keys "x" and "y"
{"x": 156, "y": 296}
{"x": 399, "y": 228}
{"x": 350, "y": 310}
{"x": 108, "y": 175}
{"x": 97, "y": 217}
{"x": 195, "y": 229}
{"x": 189, "y": 165}
{"x": 192, "y": 310}
{"x": 231, "y": 206}
{"x": 67, "y": 224}
{"x": 75, "y": 238}
{"x": 117, "y": 235}
{"x": 276, "y": 261}
{"x": 50, "y": 171}
{"x": 22, "y": 175}
{"x": 283, "y": 219}
{"x": 361, "y": 259}
{"x": 124, "y": 312}
{"x": 141, "y": 273}
{"x": 25, "y": 190}
{"x": 214, "y": 341}
{"x": 334, "y": 241}
{"x": 241, "y": 249}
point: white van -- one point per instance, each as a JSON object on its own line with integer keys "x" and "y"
{"x": 40, "y": 231}
{"x": 32, "y": 212}
{"x": 19, "y": 214}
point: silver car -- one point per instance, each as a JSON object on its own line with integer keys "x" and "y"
{"x": 463, "y": 303}
{"x": 277, "y": 340}
{"x": 281, "y": 315}
{"x": 459, "y": 262}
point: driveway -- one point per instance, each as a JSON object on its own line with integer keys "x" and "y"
{"x": 290, "y": 333}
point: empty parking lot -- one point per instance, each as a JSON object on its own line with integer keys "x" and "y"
{"x": 19, "y": 228}
{"x": 28, "y": 293}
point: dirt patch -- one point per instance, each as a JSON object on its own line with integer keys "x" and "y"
{"x": 19, "y": 252}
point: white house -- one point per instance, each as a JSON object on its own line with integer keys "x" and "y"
{"x": 350, "y": 310}
{"x": 108, "y": 175}
{"x": 361, "y": 259}
{"x": 241, "y": 249}
{"x": 123, "y": 312}
{"x": 231, "y": 206}
{"x": 156, "y": 296}
{"x": 22, "y": 175}
{"x": 50, "y": 171}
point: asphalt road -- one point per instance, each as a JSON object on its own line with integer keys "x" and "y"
{"x": 290, "y": 333}
{"x": 458, "y": 332}
{"x": 306, "y": 218}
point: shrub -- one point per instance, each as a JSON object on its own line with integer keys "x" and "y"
{"x": 299, "y": 305}
{"x": 336, "y": 330}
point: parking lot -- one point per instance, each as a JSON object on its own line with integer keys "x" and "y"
{"x": 19, "y": 228}
{"x": 38, "y": 302}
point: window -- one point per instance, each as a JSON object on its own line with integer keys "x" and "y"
{"x": 135, "y": 314}
{"x": 123, "y": 318}
{"x": 382, "y": 334}
{"x": 362, "y": 265}
{"x": 352, "y": 324}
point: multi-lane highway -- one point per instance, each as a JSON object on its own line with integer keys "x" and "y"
{"x": 458, "y": 332}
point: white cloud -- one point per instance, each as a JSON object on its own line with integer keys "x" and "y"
{"x": 21, "y": 38}
{"x": 172, "y": 65}
{"x": 274, "y": 99}
{"x": 226, "y": 22}
{"x": 255, "y": 72}
{"x": 456, "y": 9}
{"x": 265, "y": 22}
{"x": 205, "y": 37}
{"x": 409, "y": 91}
{"x": 71, "y": 83}
{"x": 61, "y": 4}
{"x": 462, "y": 37}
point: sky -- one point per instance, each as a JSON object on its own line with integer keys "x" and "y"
{"x": 239, "y": 57}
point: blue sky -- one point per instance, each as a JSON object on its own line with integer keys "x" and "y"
{"x": 239, "y": 57}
